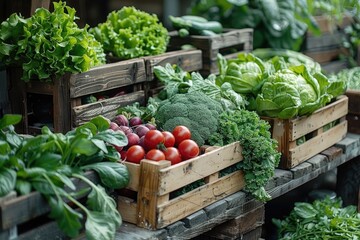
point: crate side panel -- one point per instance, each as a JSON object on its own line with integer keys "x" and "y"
{"x": 107, "y": 108}
{"x": 189, "y": 61}
{"x": 128, "y": 209}
{"x": 303, "y": 125}
{"x": 354, "y": 100}
{"x": 317, "y": 144}
{"x": 198, "y": 168}
{"x": 199, "y": 198}
{"x": 107, "y": 76}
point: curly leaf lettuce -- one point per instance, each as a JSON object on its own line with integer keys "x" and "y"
{"x": 49, "y": 43}
{"x": 129, "y": 33}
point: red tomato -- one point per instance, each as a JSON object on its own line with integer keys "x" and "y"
{"x": 172, "y": 154}
{"x": 181, "y": 133}
{"x": 169, "y": 139}
{"x": 155, "y": 154}
{"x": 135, "y": 154}
{"x": 152, "y": 139}
{"x": 188, "y": 149}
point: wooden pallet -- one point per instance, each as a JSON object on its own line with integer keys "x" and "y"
{"x": 152, "y": 184}
{"x": 353, "y": 116}
{"x": 229, "y": 44}
{"x": 288, "y": 131}
{"x": 240, "y": 226}
{"x": 25, "y": 217}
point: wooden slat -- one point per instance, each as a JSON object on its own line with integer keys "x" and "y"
{"x": 35, "y": 4}
{"x": 189, "y": 61}
{"x": 326, "y": 56}
{"x": 331, "y": 112}
{"x": 107, "y": 108}
{"x": 317, "y": 144}
{"x": 107, "y": 76}
{"x": 199, "y": 198}
{"x": 353, "y": 123}
{"x": 61, "y": 105}
{"x": 134, "y": 172}
{"x": 24, "y": 208}
{"x": 148, "y": 195}
{"x": 197, "y": 168}
{"x": 128, "y": 209}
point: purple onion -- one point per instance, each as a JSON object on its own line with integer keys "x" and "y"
{"x": 121, "y": 120}
{"x": 135, "y": 121}
{"x": 141, "y": 130}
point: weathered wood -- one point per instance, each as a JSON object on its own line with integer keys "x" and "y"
{"x": 25, "y": 208}
{"x": 107, "y": 76}
{"x": 232, "y": 40}
{"x": 35, "y": 4}
{"x": 353, "y": 123}
{"x": 107, "y": 107}
{"x": 326, "y": 55}
{"x": 287, "y": 131}
{"x": 153, "y": 185}
{"x": 189, "y": 61}
{"x": 354, "y": 100}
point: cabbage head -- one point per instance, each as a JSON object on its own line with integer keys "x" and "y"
{"x": 289, "y": 93}
{"x": 245, "y": 73}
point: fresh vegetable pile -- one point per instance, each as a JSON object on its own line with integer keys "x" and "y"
{"x": 48, "y": 44}
{"x": 215, "y": 115}
{"x": 129, "y": 33}
{"x": 278, "y": 87}
{"x": 47, "y": 162}
{"x": 323, "y": 219}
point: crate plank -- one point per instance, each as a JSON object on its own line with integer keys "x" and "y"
{"x": 195, "y": 169}
{"x": 107, "y": 108}
{"x": 197, "y": 199}
{"x": 107, "y": 76}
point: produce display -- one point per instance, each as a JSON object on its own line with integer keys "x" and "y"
{"x": 322, "y": 219}
{"x": 129, "y": 33}
{"x": 48, "y": 44}
{"x": 351, "y": 76}
{"x": 47, "y": 162}
{"x": 278, "y": 87}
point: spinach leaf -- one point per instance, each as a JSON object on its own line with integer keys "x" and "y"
{"x": 7, "y": 181}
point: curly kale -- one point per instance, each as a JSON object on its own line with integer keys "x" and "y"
{"x": 259, "y": 149}
{"x": 194, "y": 110}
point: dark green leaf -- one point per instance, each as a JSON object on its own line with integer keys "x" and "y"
{"x": 68, "y": 220}
{"x": 84, "y": 146}
{"x": 48, "y": 160}
{"x": 9, "y": 119}
{"x": 112, "y": 174}
{"x": 101, "y": 123}
{"x": 23, "y": 187}
{"x": 7, "y": 181}
{"x": 100, "y": 226}
{"x": 111, "y": 137}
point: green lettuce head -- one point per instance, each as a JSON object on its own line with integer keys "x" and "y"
{"x": 289, "y": 93}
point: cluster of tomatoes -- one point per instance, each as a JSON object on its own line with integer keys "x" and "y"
{"x": 156, "y": 145}
{"x": 175, "y": 146}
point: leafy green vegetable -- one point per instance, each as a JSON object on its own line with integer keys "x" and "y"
{"x": 177, "y": 81}
{"x": 349, "y": 76}
{"x": 322, "y": 219}
{"x": 194, "y": 110}
{"x": 47, "y": 162}
{"x": 129, "y": 33}
{"x": 259, "y": 150}
{"x": 48, "y": 44}
{"x": 277, "y": 23}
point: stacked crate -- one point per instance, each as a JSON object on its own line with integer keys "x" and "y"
{"x": 327, "y": 48}
{"x": 229, "y": 44}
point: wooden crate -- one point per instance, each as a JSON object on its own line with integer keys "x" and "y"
{"x": 152, "y": 184}
{"x": 353, "y": 116}
{"x": 288, "y": 131}
{"x": 327, "y": 48}
{"x": 65, "y": 94}
{"x": 188, "y": 60}
{"x": 229, "y": 44}
{"x": 26, "y": 217}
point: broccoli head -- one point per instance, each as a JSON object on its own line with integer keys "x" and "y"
{"x": 194, "y": 110}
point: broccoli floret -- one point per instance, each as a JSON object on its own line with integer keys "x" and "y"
{"x": 194, "y": 110}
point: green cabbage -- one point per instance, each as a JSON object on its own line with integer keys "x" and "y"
{"x": 292, "y": 92}
{"x": 128, "y": 33}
